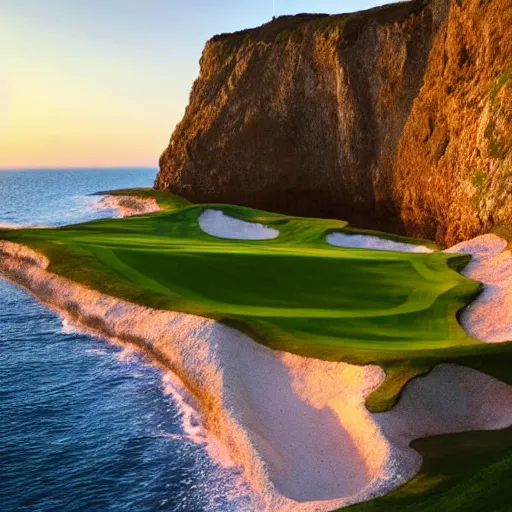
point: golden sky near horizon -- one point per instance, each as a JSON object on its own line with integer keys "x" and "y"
{"x": 89, "y": 83}
{"x": 76, "y": 100}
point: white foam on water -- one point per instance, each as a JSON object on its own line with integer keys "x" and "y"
{"x": 172, "y": 386}
{"x": 70, "y": 327}
{"x": 14, "y": 225}
{"x": 194, "y": 431}
{"x": 127, "y": 206}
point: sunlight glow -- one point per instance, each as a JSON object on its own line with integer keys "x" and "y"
{"x": 93, "y": 83}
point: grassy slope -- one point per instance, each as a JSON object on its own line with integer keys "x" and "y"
{"x": 297, "y": 293}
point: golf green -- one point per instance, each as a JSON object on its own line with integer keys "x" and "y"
{"x": 295, "y": 292}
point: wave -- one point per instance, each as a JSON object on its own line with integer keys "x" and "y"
{"x": 17, "y": 225}
{"x": 238, "y": 493}
{"x": 172, "y": 385}
{"x": 127, "y": 206}
{"x": 89, "y": 208}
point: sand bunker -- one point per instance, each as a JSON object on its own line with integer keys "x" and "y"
{"x": 127, "y": 206}
{"x": 489, "y": 317}
{"x": 372, "y": 242}
{"x": 449, "y": 399}
{"x": 216, "y": 223}
{"x": 297, "y": 426}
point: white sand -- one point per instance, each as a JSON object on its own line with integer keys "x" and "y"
{"x": 489, "y": 317}
{"x": 216, "y": 223}
{"x": 298, "y": 426}
{"x": 127, "y": 206}
{"x": 449, "y": 399}
{"x": 372, "y": 242}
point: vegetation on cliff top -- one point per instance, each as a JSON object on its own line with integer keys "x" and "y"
{"x": 341, "y": 27}
{"x": 290, "y": 25}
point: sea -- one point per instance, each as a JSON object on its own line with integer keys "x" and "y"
{"x": 87, "y": 425}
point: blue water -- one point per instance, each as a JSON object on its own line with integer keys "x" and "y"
{"x": 83, "y": 427}
{"x": 51, "y": 198}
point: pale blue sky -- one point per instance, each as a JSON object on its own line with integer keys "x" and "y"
{"x": 103, "y": 82}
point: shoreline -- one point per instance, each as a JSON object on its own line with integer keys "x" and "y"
{"x": 206, "y": 357}
{"x": 273, "y": 410}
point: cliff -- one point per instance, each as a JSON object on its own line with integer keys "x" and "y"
{"x": 398, "y": 118}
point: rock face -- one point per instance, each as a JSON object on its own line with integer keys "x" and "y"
{"x": 397, "y": 118}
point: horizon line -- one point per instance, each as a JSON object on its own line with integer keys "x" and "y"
{"x": 78, "y": 168}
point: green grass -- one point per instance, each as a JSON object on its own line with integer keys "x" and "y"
{"x": 479, "y": 181}
{"x": 297, "y": 293}
{"x": 493, "y": 145}
{"x": 294, "y": 293}
{"x": 468, "y": 472}
{"x": 503, "y": 79}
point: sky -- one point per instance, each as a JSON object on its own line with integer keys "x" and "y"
{"x": 100, "y": 83}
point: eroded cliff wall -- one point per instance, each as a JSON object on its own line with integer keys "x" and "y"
{"x": 453, "y": 172}
{"x": 396, "y": 118}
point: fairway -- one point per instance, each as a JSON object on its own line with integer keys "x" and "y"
{"x": 295, "y": 292}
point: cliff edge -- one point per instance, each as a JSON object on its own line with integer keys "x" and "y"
{"x": 398, "y": 118}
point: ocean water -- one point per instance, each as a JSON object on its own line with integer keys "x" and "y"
{"x": 52, "y": 198}
{"x": 86, "y": 425}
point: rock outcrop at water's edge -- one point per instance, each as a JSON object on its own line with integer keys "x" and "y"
{"x": 398, "y": 118}
{"x": 297, "y": 426}
{"x": 127, "y": 206}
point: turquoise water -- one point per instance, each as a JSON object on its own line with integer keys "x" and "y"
{"x": 86, "y": 425}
